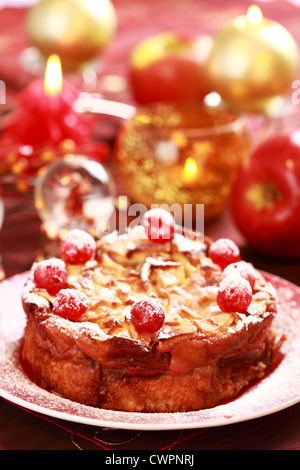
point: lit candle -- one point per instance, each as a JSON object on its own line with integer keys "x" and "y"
{"x": 190, "y": 171}
{"x": 45, "y": 112}
{"x": 254, "y": 15}
{"x": 253, "y": 60}
{"x": 53, "y": 76}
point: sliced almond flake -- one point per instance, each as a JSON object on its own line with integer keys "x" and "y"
{"x": 155, "y": 263}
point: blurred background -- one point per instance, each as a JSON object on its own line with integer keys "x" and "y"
{"x": 105, "y": 104}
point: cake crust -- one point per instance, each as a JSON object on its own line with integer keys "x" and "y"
{"x": 199, "y": 357}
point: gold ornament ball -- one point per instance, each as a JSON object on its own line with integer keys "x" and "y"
{"x": 252, "y": 61}
{"x": 76, "y": 30}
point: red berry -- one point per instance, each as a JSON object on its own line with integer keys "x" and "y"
{"x": 234, "y": 294}
{"x": 223, "y": 252}
{"x": 51, "y": 275}
{"x": 147, "y": 315}
{"x": 159, "y": 225}
{"x": 242, "y": 268}
{"x": 78, "y": 247}
{"x": 70, "y": 303}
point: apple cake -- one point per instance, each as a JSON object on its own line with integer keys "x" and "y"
{"x": 152, "y": 320}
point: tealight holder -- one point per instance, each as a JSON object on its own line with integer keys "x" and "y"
{"x": 74, "y": 192}
{"x": 182, "y": 154}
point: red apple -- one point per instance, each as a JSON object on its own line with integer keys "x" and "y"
{"x": 169, "y": 68}
{"x": 266, "y": 197}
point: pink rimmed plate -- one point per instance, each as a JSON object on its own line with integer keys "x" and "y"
{"x": 279, "y": 390}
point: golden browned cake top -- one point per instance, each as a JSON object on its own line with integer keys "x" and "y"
{"x": 178, "y": 273}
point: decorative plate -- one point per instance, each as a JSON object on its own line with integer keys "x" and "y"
{"x": 278, "y": 390}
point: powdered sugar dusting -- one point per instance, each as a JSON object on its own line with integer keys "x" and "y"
{"x": 12, "y": 322}
{"x": 278, "y": 390}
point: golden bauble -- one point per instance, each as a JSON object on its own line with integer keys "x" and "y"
{"x": 250, "y": 65}
{"x": 76, "y": 30}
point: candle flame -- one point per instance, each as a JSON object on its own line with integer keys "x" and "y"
{"x": 97, "y": 7}
{"x": 190, "y": 169}
{"x": 53, "y": 76}
{"x": 254, "y": 15}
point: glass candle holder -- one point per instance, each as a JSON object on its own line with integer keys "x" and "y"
{"x": 184, "y": 154}
{"x": 74, "y": 192}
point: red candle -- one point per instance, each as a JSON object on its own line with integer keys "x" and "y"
{"x": 45, "y": 114}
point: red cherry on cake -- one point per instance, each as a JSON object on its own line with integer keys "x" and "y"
{"x": 147, "y": 315}
{"x": 50, "y": 274}
{"x": 223, "y": 252}
{"x": 70, "y": 303}
{"x": 78, "y": 247}
{"x": 242, "y": 268}
{"x": 234, "y": 294}
{"x": 159, "y": 225}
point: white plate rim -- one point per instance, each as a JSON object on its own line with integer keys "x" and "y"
{"x": 143, "y": 421}
{"x": 145, "y": 426}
